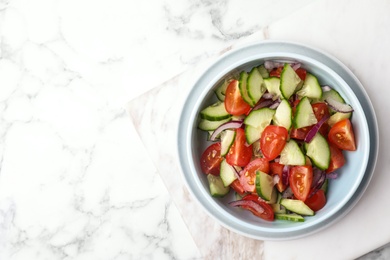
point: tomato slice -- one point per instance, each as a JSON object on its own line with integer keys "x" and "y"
{"x": 276, "y": 72}
{"x": 299, "y": 133}
{"x": 267, "y": 214}
{"x": 234, "y": 103}
{"x": 237, "y": 187}
{"x": 317, "y": 201}
{"x": 272, "y": 141}
{"x": 239, "y": 153}
{"x": 248, "y": 174}
{"x": 337, "y": 159}
{"x": 300, "y": 180}
{"x": 321, "y": 110}
{"x": 341, "y": 134}
{"x": 211, "y": 159}
{"x": 277, "y": 169}
{"x": 301, "y": 73}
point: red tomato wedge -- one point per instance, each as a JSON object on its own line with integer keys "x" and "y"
{"x": 277, "y": 169}
{"x": 272, "y": 141}
{"x": 341, "y": 134}
{"x": 300, "y": 180}
{"x": 299, "y": 133}
{"x": 237, "y": 187}
{"x": 239, "y": 153}
{"x": 248, "y": 174}
{"x": 317, "y": 201}
{"x": 234, "y": 103}
{"x": 301, "y": 73}
{"x": 267, "y": 214}
{"x": 211, "y": 159}
{"x": 321, "y": 110}
{"x": 337, "y": 159}
{"x": 276, "y": 72}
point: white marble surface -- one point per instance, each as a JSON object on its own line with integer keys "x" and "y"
{"x": 76, "y": 181}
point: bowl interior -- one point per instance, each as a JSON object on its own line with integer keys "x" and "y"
{"x": 341, "y": 190}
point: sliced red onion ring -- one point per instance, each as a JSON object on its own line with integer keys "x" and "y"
{"x": 296, "y": 66}
{"x": 332, "y": 175}
{"x": 274, "y": 105}
{"x": 262, "y": 104}
{"x": 318, "y": 180}
{"x": 286, "y": 175}
{"x": 287, "y": 193}
{"x": 338, "y": 106}
{"x": 276, "y": 179}
{"x": 326, "y": 88}
{"x": 269, "y": 65}
{"x": 268, "y": 95}
{"x": 247, "y": 203}
{"x": 318, "y": 177}
{"x": 314, "y": 130}
{"x": 228, "y": 125}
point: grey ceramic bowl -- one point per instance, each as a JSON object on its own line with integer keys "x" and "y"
{"x": 343, "y": 193}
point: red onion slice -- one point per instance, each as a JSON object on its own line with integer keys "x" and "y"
{"x": 262, "y": 104}
{"x": 338, "y": 106}
{"x": 326, "y": 88}
{"x": 274, "y": 105}
{"x": 332, "y": 175}
{"x": 318, "y": 180}
{"x": 286, "y": 175}
{"x": 268, "y": 95}
{"x": 276, "y": 179}
{"x": 314, "y": 130}
{"x": 270, "y": 65}
{"x": 287, "y": 193}
{"x": 296, "y": 66}
{"x": 247, "y": 203}
{"x": 228, "y": 125}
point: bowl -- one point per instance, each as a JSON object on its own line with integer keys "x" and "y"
{"x": 344, "y": 192}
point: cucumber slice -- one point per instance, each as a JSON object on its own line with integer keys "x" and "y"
{"x": 333, "y": 94}
{"x": 215, "y": 112}
{"x": 227, "y": 173}
{"x": 252, "y": 134}
{"x": 255, "y": 123}
{"x": 336, "y": 117}
{"x": 283, "y": 115}
{"x": 272, "y": 85}
{"x": 318, "y": 151}
{"x": 277, "y": 208}
{"x": 255, "y": 86}
{"x": 304, "y": 114}
{"x": 243, "y": 88}
{"x": 263, "y": 71}
{"x": 289, "y": 81}
{"x": 265, "y": 186}
{"x": 217, "y": 189}
{"x": 290, "y": 217}
{"x": 227, "y": 139}
{"x": 221, "y": 90}
{"x": 208, "y": 125}
{"x": 260, "y": 117}
{"x": 311, "y": 88}
{"x": 256, "y": 150}
{"x": 297, "y": 206}
{"x": 292, "y": 154}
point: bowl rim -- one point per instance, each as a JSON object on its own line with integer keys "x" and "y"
{"x": 268, "y": 49}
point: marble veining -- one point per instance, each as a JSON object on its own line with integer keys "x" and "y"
{"x": 79, "y": 177}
